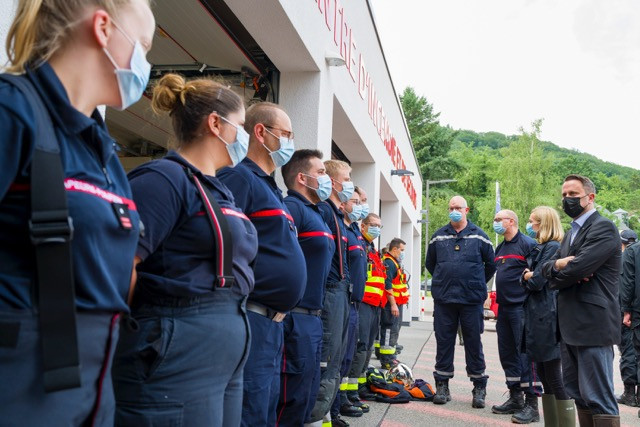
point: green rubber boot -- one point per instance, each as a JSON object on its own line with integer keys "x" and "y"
{"x": 549, "y": 410}
{"x": 567, "y": 414}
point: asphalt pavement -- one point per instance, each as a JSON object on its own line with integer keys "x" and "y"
{"x": 419, "y": 353}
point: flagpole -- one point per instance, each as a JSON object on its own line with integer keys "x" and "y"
{"x": 498, "y": 208}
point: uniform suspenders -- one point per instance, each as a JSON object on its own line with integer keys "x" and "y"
{"x": 339, "y": 240}
{"x": 223, "y": 261}
{"x": 51, "y": 232}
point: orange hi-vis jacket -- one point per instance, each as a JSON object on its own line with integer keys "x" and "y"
{"x": 374, "y": 287}
{"x": 400, "y": 289}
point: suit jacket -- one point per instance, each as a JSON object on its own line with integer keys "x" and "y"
{"x": 588, "y": 311}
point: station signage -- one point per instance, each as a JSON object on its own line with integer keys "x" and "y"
{"x": 343, "y": 37}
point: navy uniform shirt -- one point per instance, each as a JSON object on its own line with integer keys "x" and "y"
{"x": 102, "y": 246}
{"x": 178, "y": 246}
{"x": 510, "y": 263}
{"x": 357, "y": 261}
{"x": 339, "y": 261}
{"x": 317, "y": 245}
{"x": 280, "y": 269}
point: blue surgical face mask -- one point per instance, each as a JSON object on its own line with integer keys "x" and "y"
{"x": 401, "y": 256}
{"x": 530, "y": 231}
{"x": 498, "y": 227}
{"x": 365, "y": 210}
{"x": 373, "y": 232}
{"x": 282, "y": 155}
{"x": 347, "y": 191}
{"x": 238, "y": 149}
{"x": 324, "y": 186}
{"x": 355, "y": 213}
{"x": 455, "y": 216}
{"x": 133, "y": 81}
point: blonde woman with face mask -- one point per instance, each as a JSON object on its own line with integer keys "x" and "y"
{"x": 65, "y": 273}
{"x": 540, "y": 338}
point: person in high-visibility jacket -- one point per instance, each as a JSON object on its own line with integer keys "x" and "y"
{"x": 391, "y": 313}
{"x": 369, "y": 311}
{"x": 401, "y": 294}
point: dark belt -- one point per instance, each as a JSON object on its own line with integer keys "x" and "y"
{"x": 260, "y": 309}
{"x": 341, "y": 284}
{"x": 306, "y": 311}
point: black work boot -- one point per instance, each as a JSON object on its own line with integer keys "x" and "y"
{"x": 479, "y": 393}
{"x": 514, "y": 404}
{"x": 355, "y": 401}
{"x": 349, "y": 410}
{"x": 628, "y": 397}
{"x": 528, "y": 414}
{"x": 338, "y": 422}
{"x": 442, "y": 395}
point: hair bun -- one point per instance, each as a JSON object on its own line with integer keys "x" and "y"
{"x": 168, "y": 91}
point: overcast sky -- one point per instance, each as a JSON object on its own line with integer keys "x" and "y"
{"x": 497, "y": 65}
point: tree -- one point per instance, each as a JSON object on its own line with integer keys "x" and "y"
{"x": 523, "y": 182}
{"x": 431, "y": 141}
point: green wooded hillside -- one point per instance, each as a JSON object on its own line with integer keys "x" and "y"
{"x": 530, "y": 171}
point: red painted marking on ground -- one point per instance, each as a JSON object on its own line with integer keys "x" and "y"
{"x": 387, "y": 423}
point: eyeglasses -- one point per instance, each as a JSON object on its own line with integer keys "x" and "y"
{"x": 285, "y": 133}
{"x": 354, "y": 201}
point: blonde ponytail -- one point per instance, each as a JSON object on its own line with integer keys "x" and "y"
{"x": 22, "y": 34}
{"x": 41, "y": 27}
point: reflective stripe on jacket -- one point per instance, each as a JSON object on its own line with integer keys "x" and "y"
{"x": 374, "y": 286}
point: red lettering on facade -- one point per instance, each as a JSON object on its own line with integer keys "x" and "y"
{"x": 344, "y": 38}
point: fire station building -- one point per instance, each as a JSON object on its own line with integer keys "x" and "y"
{"x": 323, "y": 62}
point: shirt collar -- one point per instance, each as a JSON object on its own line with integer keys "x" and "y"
{"x": 253, "y": 167}
{"x": 212, "y": 180}
{"x": 516, "y": 237}
{"x": 583, "y": 218}
{"x": 335, "y": 209}
{"x": 297, "y": 195}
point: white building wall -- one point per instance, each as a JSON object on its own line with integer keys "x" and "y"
{"x": 7, "y": 10}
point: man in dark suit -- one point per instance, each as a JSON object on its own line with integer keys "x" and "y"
{"x": 586, "y": 271}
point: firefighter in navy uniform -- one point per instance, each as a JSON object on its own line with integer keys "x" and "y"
{"x": 397, "y": 296}
{"x": 629, "y": 366}
{"x": 308, "y": 184}
{"x": 335, "y": 311}
{"x": 358, "y": 269}
{"x": 460, "y": 260}
{"x": 194, "y": 267}
{"x": 373, "y": 299}
{"x": 280, "y": 269}
{"x": 80, "y": 245}
{"x": 510, "y": 264}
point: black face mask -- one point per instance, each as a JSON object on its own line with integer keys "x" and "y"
{"x": 572, "y": 207}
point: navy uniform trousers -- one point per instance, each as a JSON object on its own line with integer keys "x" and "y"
{"x": 368, "y": 324}
{"x": 517, "y": 366}
{"x": 447, "y": 317}
{"x": 300, "y": 376}
{"x": 23, "y": 401}
{"x": 350, "y": 350}
{"x": 335, "y": 322}
{"x": 629, "y": 361}
{"x": 183, "y": 364}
